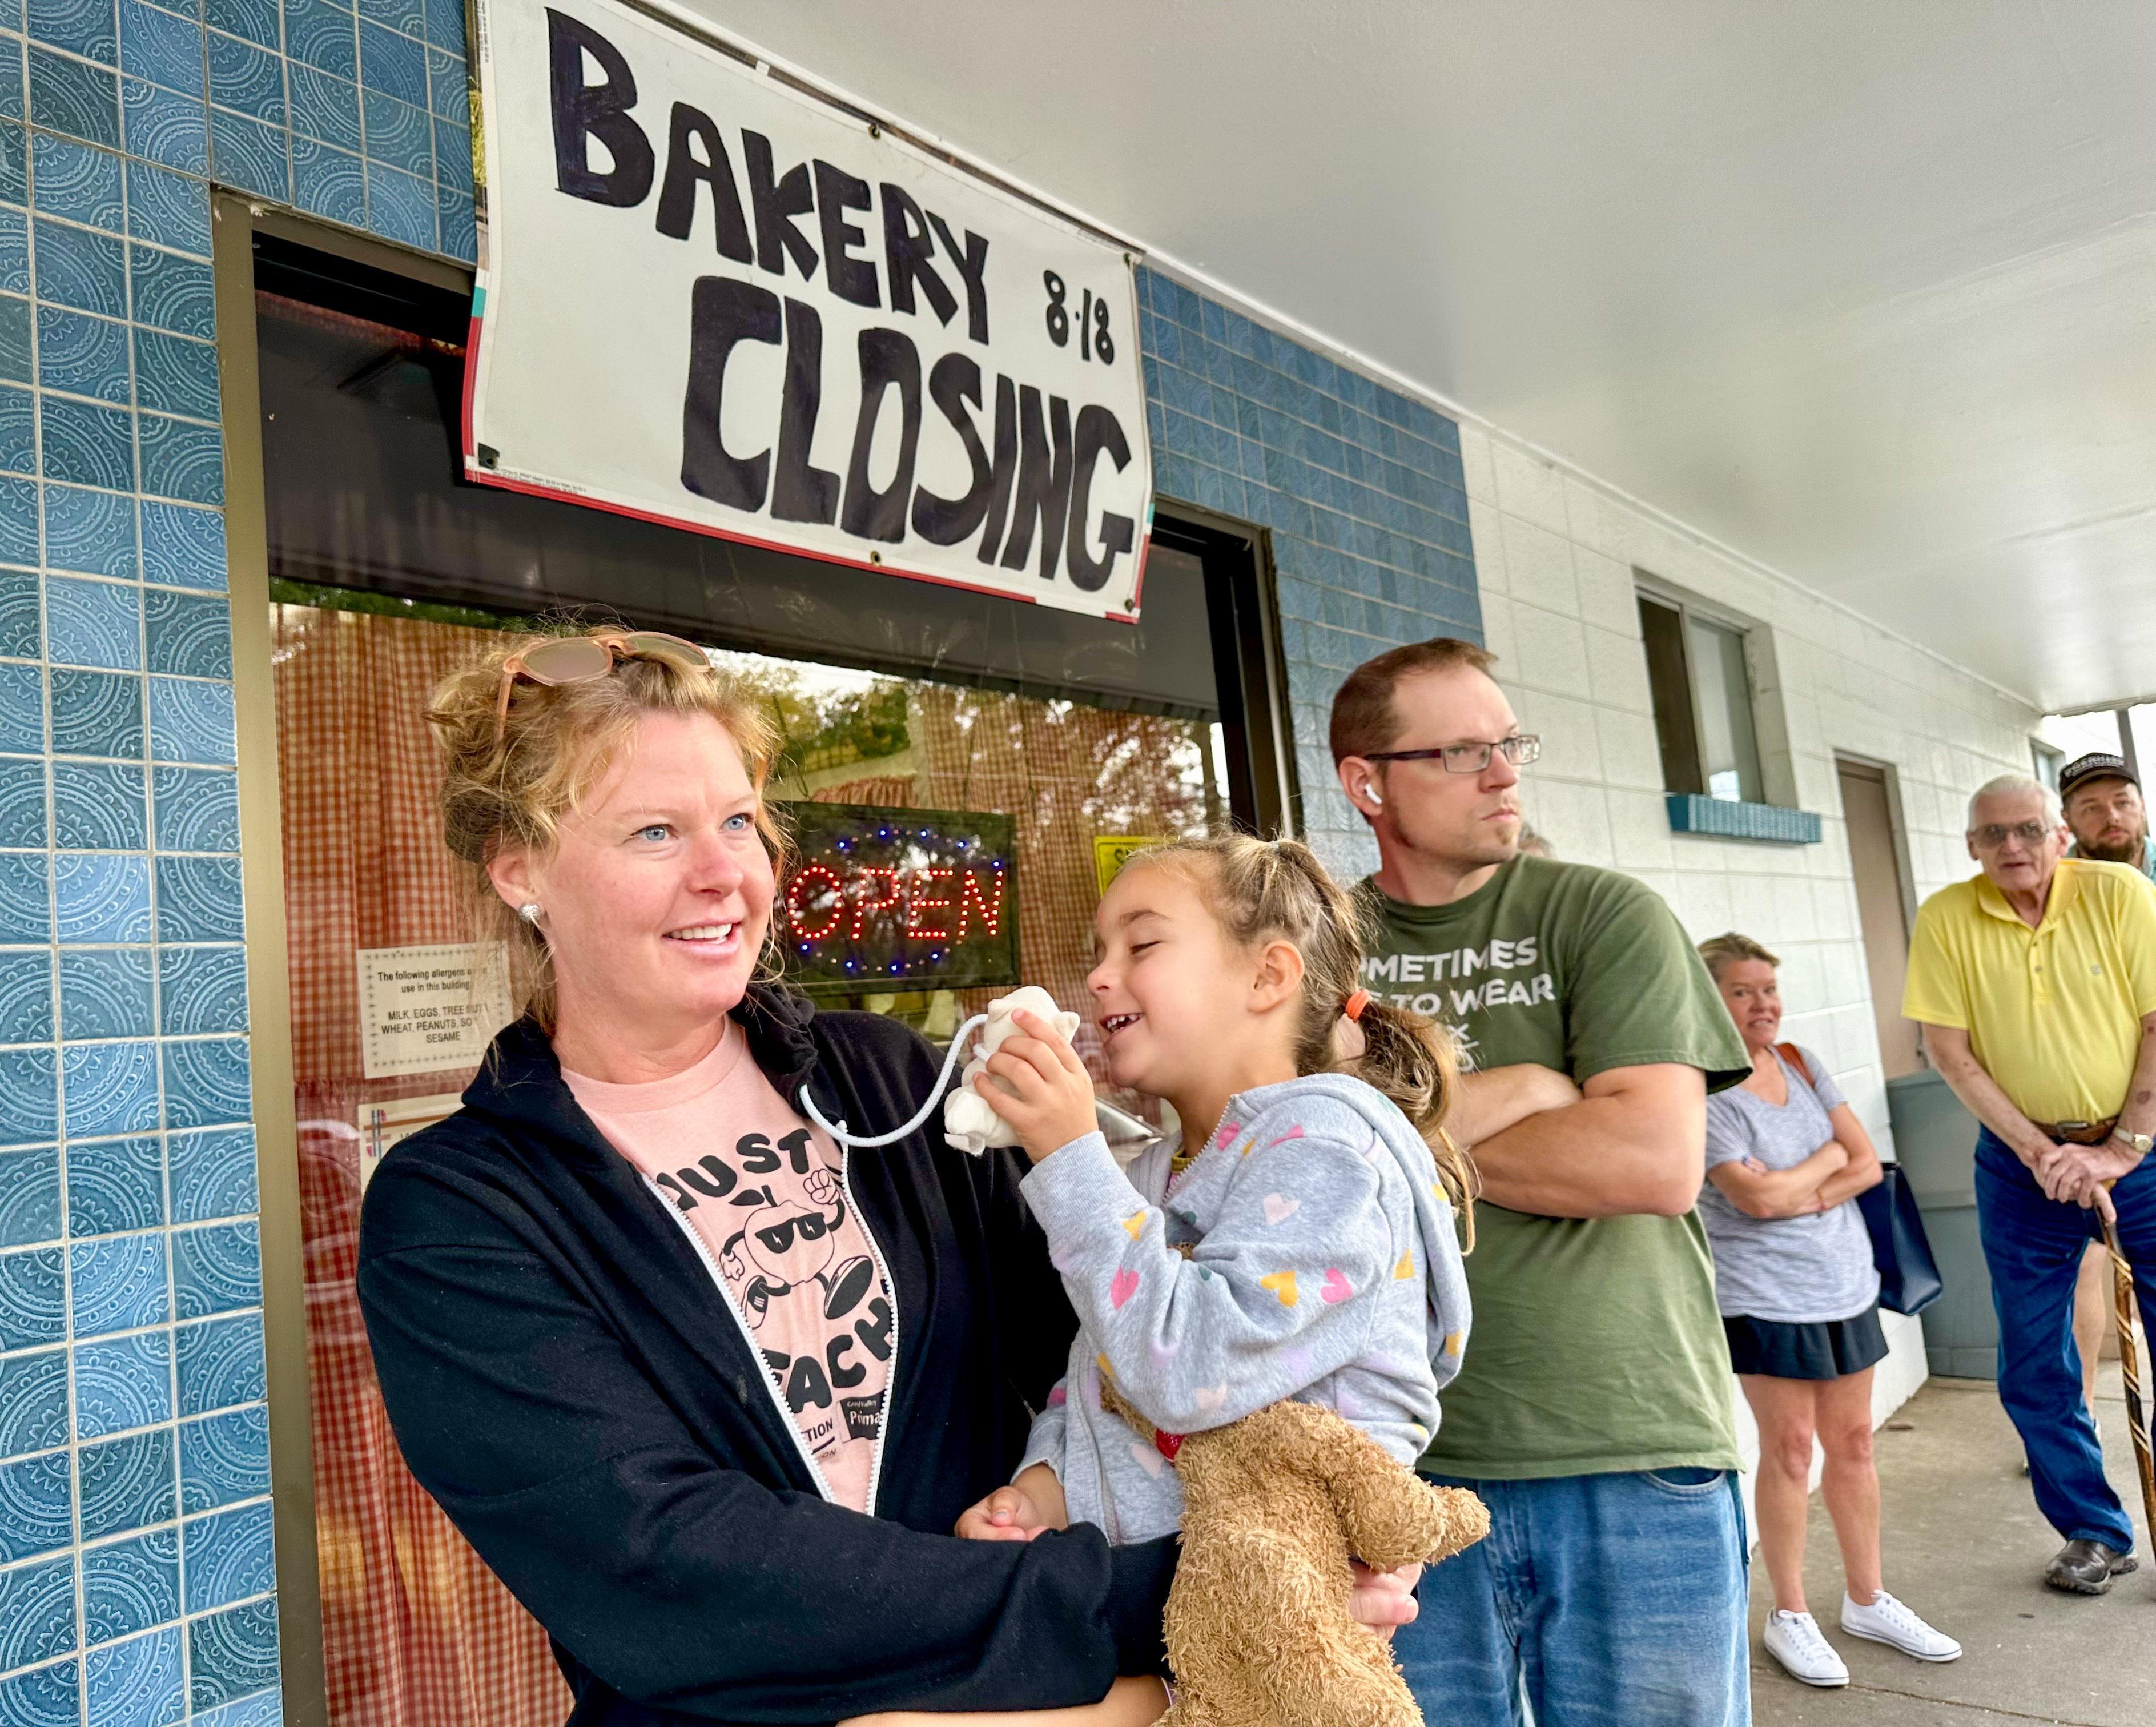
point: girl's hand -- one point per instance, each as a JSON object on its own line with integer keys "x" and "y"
{"x": 1045, "y": 1093}
{"x": 1384, "y": 1600}
{"x": 1032, "y": 1503}
{"x": 1005, "y": 1515}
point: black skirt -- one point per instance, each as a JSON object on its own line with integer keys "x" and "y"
{"x": 1823, "y": 1349}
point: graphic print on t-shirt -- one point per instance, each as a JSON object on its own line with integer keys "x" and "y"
{"x": 770, "y": 1205}
{"x": 788, "y": 1253}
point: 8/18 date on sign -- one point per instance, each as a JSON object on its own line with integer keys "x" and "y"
{"x": 1096, "y": 341}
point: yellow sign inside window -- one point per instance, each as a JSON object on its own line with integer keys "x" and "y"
{"x": 1112, "y": 851}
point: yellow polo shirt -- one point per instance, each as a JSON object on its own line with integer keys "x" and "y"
{"x": 2053, "y": 1013}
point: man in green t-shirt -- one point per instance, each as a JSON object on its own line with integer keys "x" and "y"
{"x": 1593, "y": 1411}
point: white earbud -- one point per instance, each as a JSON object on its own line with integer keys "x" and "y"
{"x": 1375, "y": 795}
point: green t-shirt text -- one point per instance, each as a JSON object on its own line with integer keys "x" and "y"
{"x": 1596, "y": 1345}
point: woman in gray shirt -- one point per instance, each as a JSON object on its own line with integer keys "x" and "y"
{"x": 1786, "y": 1158}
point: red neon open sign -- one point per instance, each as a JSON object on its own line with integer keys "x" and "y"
{"x": 879, "y": 898}
{"x": 850, "y": 901}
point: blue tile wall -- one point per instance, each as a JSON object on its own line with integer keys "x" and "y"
{"x": 1361, "y": 487}
{"x": 135, "y": 1557}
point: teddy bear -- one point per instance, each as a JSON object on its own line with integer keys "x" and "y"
{"x": 1258, "y": 1630}
{"x": 970, "y": 1122}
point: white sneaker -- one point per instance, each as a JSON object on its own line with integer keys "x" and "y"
{"x": 1886, "y": 1620}
{"x": 1795, "y": 1640}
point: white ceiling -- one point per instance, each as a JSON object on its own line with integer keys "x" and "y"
{"x": 1864, "y": 290}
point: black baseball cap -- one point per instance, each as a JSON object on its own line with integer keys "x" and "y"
{"x": 2098, "y": 764}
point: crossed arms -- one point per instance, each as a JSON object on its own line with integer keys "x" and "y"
{"x": 1840, "y": 1170}
{"x": 1631, "y": 1140}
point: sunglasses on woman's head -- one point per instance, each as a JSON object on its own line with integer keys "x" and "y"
{"x": 573, "y": 659}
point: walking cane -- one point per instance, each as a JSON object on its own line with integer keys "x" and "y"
{"x": 2129, "y": 1363}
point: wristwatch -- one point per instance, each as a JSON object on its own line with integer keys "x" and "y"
{"x": 2140, "y": 1144}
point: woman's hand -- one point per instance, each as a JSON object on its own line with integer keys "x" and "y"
{"x": 1046, "y": 1092}
{"x": 1798, "y": 1191}
{"x": 1030, "y": 1505}
{"x": 1384, "y": 1600}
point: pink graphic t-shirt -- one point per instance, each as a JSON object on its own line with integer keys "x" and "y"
{"x": 762, "y": 1187}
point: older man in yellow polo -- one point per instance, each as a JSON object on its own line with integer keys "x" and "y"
{"x": 2035, "y": 984}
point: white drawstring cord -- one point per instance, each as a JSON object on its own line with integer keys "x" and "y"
{"x": 838, "y": 1130}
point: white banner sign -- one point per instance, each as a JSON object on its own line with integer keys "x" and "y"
{"x": 709, "y": 299}
{"x": 425, "y": 1010}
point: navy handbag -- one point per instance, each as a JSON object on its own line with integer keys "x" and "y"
{"x": 1909, "y": 1279}
{"x": 1908, "y": 1276}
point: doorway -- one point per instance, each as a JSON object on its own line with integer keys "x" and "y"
{"x": 1882, "y": 905}
{"x": 910, "y": 711}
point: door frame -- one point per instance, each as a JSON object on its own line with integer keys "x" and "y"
{"x": 1897, "y": 823}
{"x": 1242, "y": 596}
{"x": 1242, "y": 603}
{"x": 235, "y": 220}
{"x": 1897, "y": 845}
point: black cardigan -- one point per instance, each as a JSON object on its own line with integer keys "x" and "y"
{"x": 566, "y": 1380}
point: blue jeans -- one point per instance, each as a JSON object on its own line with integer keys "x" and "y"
{"x": 1614, "y": 1600}
{"x": 2034, "y": 1247}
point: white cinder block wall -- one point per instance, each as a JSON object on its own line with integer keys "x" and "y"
{"x": 1556, "y": 557}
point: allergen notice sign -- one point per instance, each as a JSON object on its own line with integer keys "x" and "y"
{"x": 710, "y": 298}
{"x": 426, "y": 1010}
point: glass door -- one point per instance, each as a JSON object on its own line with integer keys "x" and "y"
{"x": 964, "y": 771}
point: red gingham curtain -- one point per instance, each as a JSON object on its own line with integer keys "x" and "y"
{"x": 1068, "y": 774}
{"x": 416, "y": 1631}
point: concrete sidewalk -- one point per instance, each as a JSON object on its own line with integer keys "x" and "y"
{"x": 1965, "y": 1547}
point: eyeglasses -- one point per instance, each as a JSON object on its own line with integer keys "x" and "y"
{"x": 1466, "y": 757}
{"x": 573, "y": 659}
{"x": 1993, "y": 833}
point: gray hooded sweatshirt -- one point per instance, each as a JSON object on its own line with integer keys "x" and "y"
{"x": 1324, "y": 1266}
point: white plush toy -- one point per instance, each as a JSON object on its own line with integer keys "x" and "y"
{"x": 970, "y": 1122}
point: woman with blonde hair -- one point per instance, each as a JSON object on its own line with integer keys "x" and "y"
{"x": 1794, "y": 1276}
{"x": 705, "y": 1390}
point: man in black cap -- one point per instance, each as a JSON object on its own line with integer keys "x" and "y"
{"x": 2101, "y": 795}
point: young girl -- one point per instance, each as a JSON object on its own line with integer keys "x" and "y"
{"x": 1303, "y": 1247}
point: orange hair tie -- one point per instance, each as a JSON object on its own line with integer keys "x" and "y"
{"x": 1352, "y": 1008}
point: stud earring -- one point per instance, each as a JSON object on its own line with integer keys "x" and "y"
{"x": 529, "y": 912}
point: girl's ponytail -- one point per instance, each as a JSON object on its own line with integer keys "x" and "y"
{"x": 1411, "y": 1059}
{"x": 1263, "y": 890}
